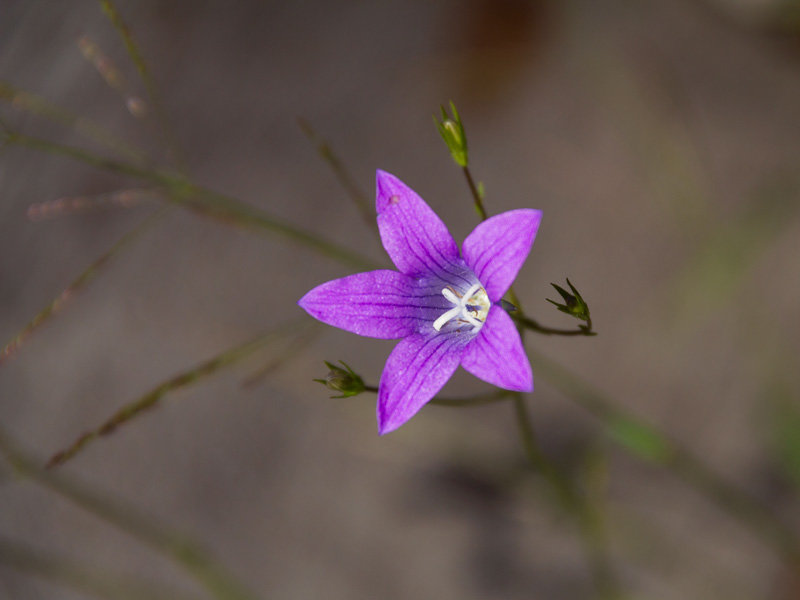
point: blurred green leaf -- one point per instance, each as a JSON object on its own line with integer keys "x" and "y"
{"x": 641, "y": 439}
{"x": 785, "y": 436}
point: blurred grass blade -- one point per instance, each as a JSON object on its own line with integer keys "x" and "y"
{"x": 588, "y": 517}
{"x": 92, "y": 581}
{"x": 70, "y": 205}
{"x": 711, "y": 277}
{"x": 179, "y": 548}
{"x": 36, "y": 105}
{"x": 162, "y": 123}
{"x": 79, "y": 283}
{"x": 639, "y": 438}
{"x": 785, "y": 434}
{"x": 297, "y": 345}
{"x": 204, "y": 201}
{"x": 647, "y": 442}
{"x": 365, "y": 207}
{"x": 152, "y": 398}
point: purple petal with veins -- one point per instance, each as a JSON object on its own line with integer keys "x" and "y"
{"x": 439, "y": 303}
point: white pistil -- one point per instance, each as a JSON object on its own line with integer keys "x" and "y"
{"x": 470, "y": 308}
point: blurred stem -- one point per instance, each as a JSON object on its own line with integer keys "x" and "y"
{"x": 180, "y": 549}
{"x": 36, "y": 105}
{"x": 89, "y": 580}
{"x": 80, "y": 282}
{"x": 664, "y": 452}
{"x": 365, "y": 208}
{"x": 589, "y": 521}
{"x": 162, "y": 123}
{"x": 152, "y": 398}
{"x": 202, "y": 200}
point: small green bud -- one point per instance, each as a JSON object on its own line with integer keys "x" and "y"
{"x": 452, "y": 131}
{"x": 574, "y": 305}
{"x": 345, "y": 381}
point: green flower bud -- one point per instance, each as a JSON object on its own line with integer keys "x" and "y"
{"x": 345, "y": 381}
{"x": 574, "y": 305}
{"x": 452, "y": 131}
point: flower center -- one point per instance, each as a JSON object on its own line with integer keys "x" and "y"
{"x": 469, "y": 308}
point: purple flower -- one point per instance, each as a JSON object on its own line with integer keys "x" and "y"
{"x": 442, "y": 303}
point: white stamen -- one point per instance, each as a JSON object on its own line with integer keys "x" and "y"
{"x": 470, "y": 308}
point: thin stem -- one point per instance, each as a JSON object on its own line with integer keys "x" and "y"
{"x": 79, "y": 283}
{"x": 588, "y": 519}
{"x": 37, "y": 105}
{"x": 162, "y": 123}
{"x": 152, "y": 398}
{"x": 183, "y": 551}
{"x": 648, "y": 443}
{"x": 202, "y": 200}
{"x": 89, "y": 580}
{"x": 365, "y": 208}
{"x": 476, "y": 196}
{"x": 529, "y": 323}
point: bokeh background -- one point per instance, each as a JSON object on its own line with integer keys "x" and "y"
{"x": 661, "y": 140}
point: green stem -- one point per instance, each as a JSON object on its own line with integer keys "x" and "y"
{"x": 648, "y": 443}
{"x": 191, "y": 376}
{"x": 37, "y": 105}
{"x": 89, "y": 580}
{"x": 529, "y": 323}
{"x": 161, "y": 121}
{"x": 199, "y": 199}
{"x": 588, "y": 519}
{"x": 79, "y": 283}
{"x": 476, "y": 197}
{"x": 365, "y": 208}
{"x": 183, "y": 551}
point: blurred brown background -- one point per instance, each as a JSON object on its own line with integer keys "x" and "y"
{"x": 661, "y": 140}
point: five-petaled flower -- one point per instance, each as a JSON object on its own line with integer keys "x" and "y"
{"x": 445, "y": 305}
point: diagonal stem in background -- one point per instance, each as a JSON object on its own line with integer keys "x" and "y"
{"x": 588, "y": 518}
{"x": 90, "y": 580}
{"x": 153, "y": 397}
{"x": 36, "y": 105}
{"x": 179, "y": 548}
{"x": 199, "y": 199}
{"x": 650, "y": 444}
{"x": 79, "y": 283}
{"x": 364, "y": 206}
{"x": 161, "y": 121}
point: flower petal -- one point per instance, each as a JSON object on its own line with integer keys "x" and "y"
{"x": 416, "y": 370}
{"x": 380, "y": 304}
{"x": 496, "y": 249}
{"x": 414, "y": 236}
{"x": 497, "y": 355}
